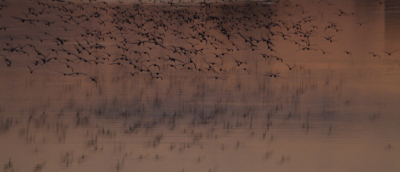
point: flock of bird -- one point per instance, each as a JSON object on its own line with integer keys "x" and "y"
{"x": 203, "y": 38}
{"x": 156, "y": 39}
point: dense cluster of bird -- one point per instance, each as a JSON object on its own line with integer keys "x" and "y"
{"x": 203, "y": 38}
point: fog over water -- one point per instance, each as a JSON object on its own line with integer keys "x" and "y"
{"x": 213, "y": 86}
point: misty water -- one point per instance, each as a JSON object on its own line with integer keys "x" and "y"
{"x": 191, "y": 86}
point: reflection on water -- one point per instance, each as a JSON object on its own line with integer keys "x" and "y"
{"x": 199, "y": 86}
